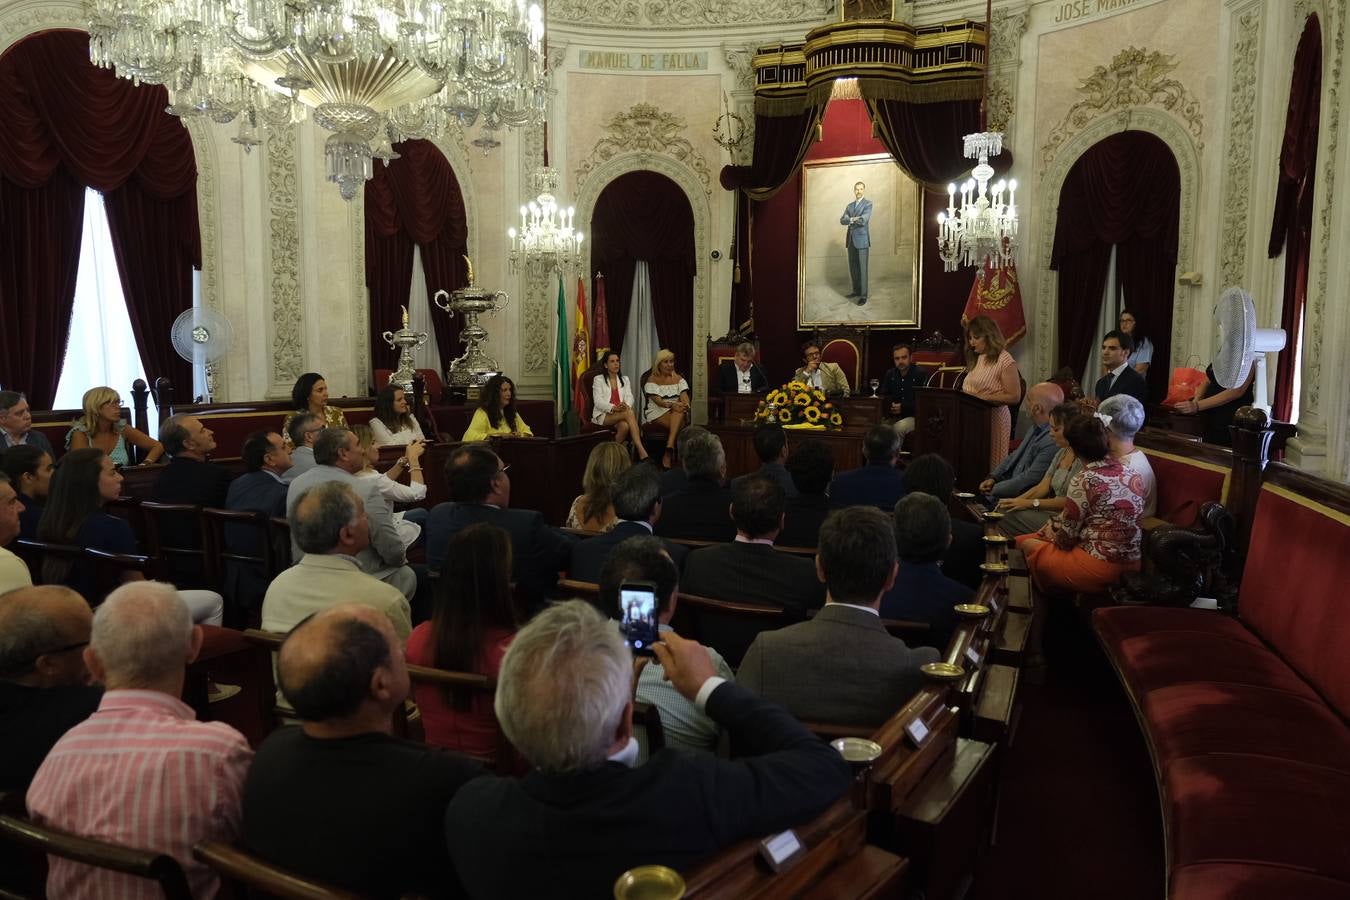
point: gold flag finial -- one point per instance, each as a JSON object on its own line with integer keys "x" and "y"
{"x": 468, "y": 264}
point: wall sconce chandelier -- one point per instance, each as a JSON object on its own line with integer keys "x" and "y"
{"x": 983, "y": 230}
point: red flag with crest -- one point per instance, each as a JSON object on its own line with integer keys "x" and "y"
{"x": 996, "y": 294}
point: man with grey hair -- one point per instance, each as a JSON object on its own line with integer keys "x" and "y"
{"x": 584, "y": 815}
{"x": 191, "y": 479}
{"x": 141, "y": 771}
{"x": 330, "y": 525}
{"x": 13, "y": 571}
{"x": 636, "y": 496}
{"x": 304, "y": 428}
{"x": 674, "y": 480}
{"x": 339, "y": 458}
{"x": 701, "y": 509}
{"x": 1124, "y": 416}
{"x": 1026, "y": 465}
{"x": 16, "y": 424}
{"x": 344, "y": 674}
{"x": 44, "y": 684}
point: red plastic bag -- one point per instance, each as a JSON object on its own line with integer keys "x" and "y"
{"x": 1185, "y": 382}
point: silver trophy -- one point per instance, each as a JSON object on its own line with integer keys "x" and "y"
{"x": 475, "y": 367}
{"x": 407, "y": 341}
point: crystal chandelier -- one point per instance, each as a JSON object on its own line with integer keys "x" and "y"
{"x": 546, "y": 241}
{"x": 983, "y": 231}
{"x": 373, "y": 71}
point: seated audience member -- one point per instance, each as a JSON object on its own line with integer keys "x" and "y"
{"x": 310, "y": 395}
{"x": 897, "y": 386}
{"x": 842, "y": 666}
{"x": 13, "y": 570}
{"x": 16, "y": 424}
{"x": 878, "y": 483}
{"x": 304, "y": 428}
{"x": 666, "y": 401}
{"x": 44, "y": 684}
{"x": 612, "y": 403}
{"x": 84, "y": 481}
{"x": 1028, "y": 463}
{"x": 812, "y": 467}
{"x": 1031, "y": 509}
{"x": 329, "y": 524}
{"x": 262, "y": 487}
{"x": 673, "y": 480}
{"x": 409, "y": 522}
{"x": 383, "y": 555}
{"x": 338, "y": 798}
{"x": 102, "y": 427}
{"x": 472, "y": 624}
{"x": 1095, "y": 539}
{"x": 922, "y": 593}
{"x": 480, "y": 491}
{"x": 189, "y": 478}
{"x": 585, "y": 815}
{"x": 393, "y": 421}
{"x": 932, "y": 475}
{"x": 30, "y": 474}
{"x": 1120, "y": 377}
{"x": 749, "y": 568}
{"x": 496, "y": 413}
{"x": 593, "y": 510}
{"x": 1124, "y": 416}
{"x": 742, "y": 375}
{"x": 636, "y": 496}
{"x": 644, "y": 559}
{"x": 824, "y": 376}
{"x": 141, "y": 771}
{"x": 770, "y": 442}
{"x": 698, "y": 511}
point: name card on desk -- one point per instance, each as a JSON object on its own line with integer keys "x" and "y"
{"x": 974, "y": 656}
{"x": 917, "y": 731}
{"x": 781, "y": 850}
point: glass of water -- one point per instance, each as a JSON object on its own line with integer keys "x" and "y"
{"x": 876, "y": 383}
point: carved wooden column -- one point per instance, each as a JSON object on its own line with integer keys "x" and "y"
{"x": 1251, "y": 451}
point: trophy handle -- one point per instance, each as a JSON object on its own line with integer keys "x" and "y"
{"x": 444, "y": 304}
{"x": 500, "y": 300}
{"x": 422, "y": 338}
{"x": 388, "y": 338}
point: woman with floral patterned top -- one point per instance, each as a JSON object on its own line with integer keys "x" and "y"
{"x": 1095, "y": 538}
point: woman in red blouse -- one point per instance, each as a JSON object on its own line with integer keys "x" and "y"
{"x": 474, "y": 621}
{"x": 1095, "y": 538}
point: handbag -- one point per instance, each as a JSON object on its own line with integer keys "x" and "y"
{"x": 1185, "y": 381}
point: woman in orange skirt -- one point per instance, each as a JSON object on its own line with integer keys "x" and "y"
{"x": 1095, "y": 538}
{"x": 991, "y": 374}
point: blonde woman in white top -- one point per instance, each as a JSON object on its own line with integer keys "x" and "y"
{"x": 612, "y": 403}
{"x": 410, "y": 521}
{"x": 393, "y": 422}
{"x": 667, "y": 395}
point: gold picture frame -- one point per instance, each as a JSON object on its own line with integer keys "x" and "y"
{"x": 894, "y": 261}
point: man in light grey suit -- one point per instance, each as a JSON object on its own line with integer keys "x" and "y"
{"x": 842, "y": 666}
{"x": 302, "y": 431}
{"x": 338, "y": 457}
{"x": 858, "y": 240}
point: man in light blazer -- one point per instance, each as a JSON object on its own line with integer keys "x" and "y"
{"x": 824, "y": 375}
{"x": 842, "y": 666}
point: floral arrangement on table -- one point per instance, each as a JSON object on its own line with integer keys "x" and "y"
{"x": 798, "y": 405}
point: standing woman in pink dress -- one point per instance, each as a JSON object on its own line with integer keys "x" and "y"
{"x": 991, "y": 374}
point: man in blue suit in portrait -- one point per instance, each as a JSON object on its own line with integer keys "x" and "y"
{"x": 858, "y": 240}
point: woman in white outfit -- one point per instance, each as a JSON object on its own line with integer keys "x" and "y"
{"x": 410, "y": 521}
{"x": 612, "y": 403}
{"x": 667, "y": 395}
{"x": 393, "y": 422}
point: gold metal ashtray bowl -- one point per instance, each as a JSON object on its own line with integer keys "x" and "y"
{"x": 649, "y": 883}
{"x": 996, "y": 539}
{"x": 856, "y": 750}
{"x": 995, "y": 568}
{"x": 942, "y": 671}
{"x": 993, "y": 515}
{"x": 972, "y": 610}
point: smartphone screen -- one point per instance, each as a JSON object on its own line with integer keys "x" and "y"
{"x": 637, "y": 609}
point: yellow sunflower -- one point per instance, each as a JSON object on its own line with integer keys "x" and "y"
{"x": 785, "y": 416}
{"x": 813, "y": 415}
{"x": 836, "y": 420}
{"x": 796, "y": 386}
{"x": 801, "y": 400}
{"x": 819, "y": 395}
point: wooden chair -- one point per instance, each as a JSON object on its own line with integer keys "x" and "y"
{"x": 947, "y": 377}
{"x": 719, "y": 351}
{"x": 843, "y": 350}
{"x": 244, "y": 576}
{"x": 250, "y": 877}
{"x": 726, "y": 626}
{"x": 285, "y": 555}
{"x": 158, "y": 867}
{"x": 110, "y": 568}
{"x": 167, "y": 530}
{"x": 432, "y": 379}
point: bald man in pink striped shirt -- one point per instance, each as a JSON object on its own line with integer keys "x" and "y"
{"x": 141, "y": 771}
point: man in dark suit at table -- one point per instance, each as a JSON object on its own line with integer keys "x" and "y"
{"x": 878, "y": 483}
{"x": 698, "y": 511}
{"x": 898, "y": 386}
{"x": 636, "y": 496}
{"x": 932, "y": 475}
{"x": 742, "y": 375}
{"x": 842, "y": 666}
{"x": 586, "y": 812}
{"x": 811, "y": 466}
{"x": 262, "y": 488}
{"x": 922, "y": 593}
{"x": 749, "y": 568}
{"x": 1120, "y": 377}
{"x": 770, "y": 443}
{"x": 480, "y": 491}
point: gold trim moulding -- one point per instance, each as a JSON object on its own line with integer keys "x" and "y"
{"x": 842, "y": 34}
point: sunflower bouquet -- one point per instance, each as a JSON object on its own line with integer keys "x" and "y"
{"x": 798, "y": 405}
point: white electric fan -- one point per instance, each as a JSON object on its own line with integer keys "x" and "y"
{"x": 1243, "y": 345}
{"x": 202, "y": 336}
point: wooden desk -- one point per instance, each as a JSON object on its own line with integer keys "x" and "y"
{"x": 546, "y": 472}
{"x": 738, "y": 442}
{"x": 858, "y": 411}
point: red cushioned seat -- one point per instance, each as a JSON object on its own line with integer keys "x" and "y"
{"x": 1250, "y": 881}
{"x": 1237, "y": 808}
{"x": 1117, "y": 623}
{"x": 1150, "y": 662}
{"x": 1201, "y": 717}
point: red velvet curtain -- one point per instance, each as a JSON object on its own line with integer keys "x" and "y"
{"x": 414, "y": 200}
{"x": 68, "y": 126}
{"x": 1125, "y": 190}
{"x": 1291, "y": 227}
{"x": 926, "y": 138}
{"x": 645, "y": 216}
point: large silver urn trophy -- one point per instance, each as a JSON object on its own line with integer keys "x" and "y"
{"x": 406, "y": 340}
{"x": 470, "y": 371}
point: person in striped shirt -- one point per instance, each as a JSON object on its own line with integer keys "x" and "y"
{"x": 141, "y": 771}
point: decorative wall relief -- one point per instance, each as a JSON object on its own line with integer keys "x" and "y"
{"x": 1136, "y": 77}
{"x": 645, "y": 129}
{"x": 1240, "y": 141}
{"x": 687, "y": 13}
{"x": 536, "y": 310}
{"x": 1332, "y": 20}
{"x": 203, "y": 151}
{"x": 288, "y": 342}
{"x": 1005, "y": 59}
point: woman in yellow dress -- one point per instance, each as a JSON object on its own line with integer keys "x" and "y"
{"x": 310, "y": 394}
{"x": 497, "y": 413}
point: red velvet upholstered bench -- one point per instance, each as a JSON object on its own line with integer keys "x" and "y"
{"x": 1246, "y": 717}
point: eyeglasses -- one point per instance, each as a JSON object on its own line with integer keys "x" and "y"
{"x": 502, "y": 470}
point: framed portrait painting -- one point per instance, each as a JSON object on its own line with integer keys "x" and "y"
{"x": 859, "y": 248}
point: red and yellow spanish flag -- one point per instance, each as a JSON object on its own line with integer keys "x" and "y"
{"x": 581, "y": 350}
{"x": 996, "y": 294}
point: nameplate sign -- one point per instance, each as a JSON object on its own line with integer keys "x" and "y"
{"x": 974, "y": 656}
{"x": 648, "y": 61}
{"x": 1077, "y": 12}
{"x": 917, "y": 732}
